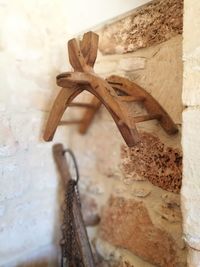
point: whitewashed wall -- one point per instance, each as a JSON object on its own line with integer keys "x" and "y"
{"x": 191, "y": 129}
{"x": 32, "y": 51}
{"x": 33, "y": 39}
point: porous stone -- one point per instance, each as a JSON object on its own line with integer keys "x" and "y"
{"x": 153, "y": 23}
{"x": 154, "y": 161}
{"x": 126, "y": 224}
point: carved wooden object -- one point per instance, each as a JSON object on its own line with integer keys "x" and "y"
{"x": 82, "y": 56}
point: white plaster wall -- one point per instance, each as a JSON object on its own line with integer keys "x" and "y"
{"x": 32, "y": 51}
{"x": 33, "y": 39}
{"x": 191, "y": 128}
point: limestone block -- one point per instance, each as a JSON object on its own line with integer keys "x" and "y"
{"x": 158, "y": 69}
{"x": 154, "y": 161}
{"x": 191, "y": 176}
{"x": 191, "y": 78}
{"x": 89, "y": 210}
{"x": 131, "y": 64}
{"x": 143, "y": 192}
{"x": 116, "y": 257}
{"x": 193, "y": 258}
{"x": 169, "y": 212}
{"x": 105, "y": 67}
{"x": 148, "y": 25}
{"x": 191, "y": 27}
{"x": 126, "y": 224}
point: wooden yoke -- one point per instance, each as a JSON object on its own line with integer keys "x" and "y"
{"x": 82, "y": 57}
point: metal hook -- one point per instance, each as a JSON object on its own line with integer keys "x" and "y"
{"x": 70, "y": 152}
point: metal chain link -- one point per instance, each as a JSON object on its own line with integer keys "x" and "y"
{"x": 69, "y": 246}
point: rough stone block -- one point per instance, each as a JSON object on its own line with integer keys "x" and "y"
{"x": 191, "y": 78}
{"x": 132, "y": 64}
{"x": 126, "y": 224}
{"x": 151, "y": 24}
{"x": 152, "y": 160}
{"x": 191, "y": 176}
{"x": 191, "y": 27}
{"x": 193, "y": 258}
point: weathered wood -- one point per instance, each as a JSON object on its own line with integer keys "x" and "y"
{"x": 82, "y": 237}
{"x": 75, "y": 56}
{"x": 131, "y": 98}
{"x": 107, "y": 95}
{"x": 89, "y": 114}
{"x": 64, "y": 97}
{"x": 89, "y": 47}
{"x": 147, "y": 118}
{"x": 82, "y": 105}
{"x": 150, "y": 103}
{"x": 82, "y": 57}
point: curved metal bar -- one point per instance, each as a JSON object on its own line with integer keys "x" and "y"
{"x": 71, "y": 153}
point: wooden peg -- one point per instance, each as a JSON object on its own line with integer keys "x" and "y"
{"x": 147, "y": 118}
{"x": 89, "y": 47}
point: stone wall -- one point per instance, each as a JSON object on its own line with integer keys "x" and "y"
{"x": 32, "y": 52}
{"x": 190, "y": 140}
{"x": 140, "y": 214}
{"x": 136, "y": 190}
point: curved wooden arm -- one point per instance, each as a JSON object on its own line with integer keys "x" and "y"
{"x": 82, "y": 56}
{"x": 152, "y": 106}
{"x": 107, "y": 95}
{"x": 62, "y": 101}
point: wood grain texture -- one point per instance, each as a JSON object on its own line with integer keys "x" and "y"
{"x": 82, "y": 56}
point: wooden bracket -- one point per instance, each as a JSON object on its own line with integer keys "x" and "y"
{"x": 82, "y": 56}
